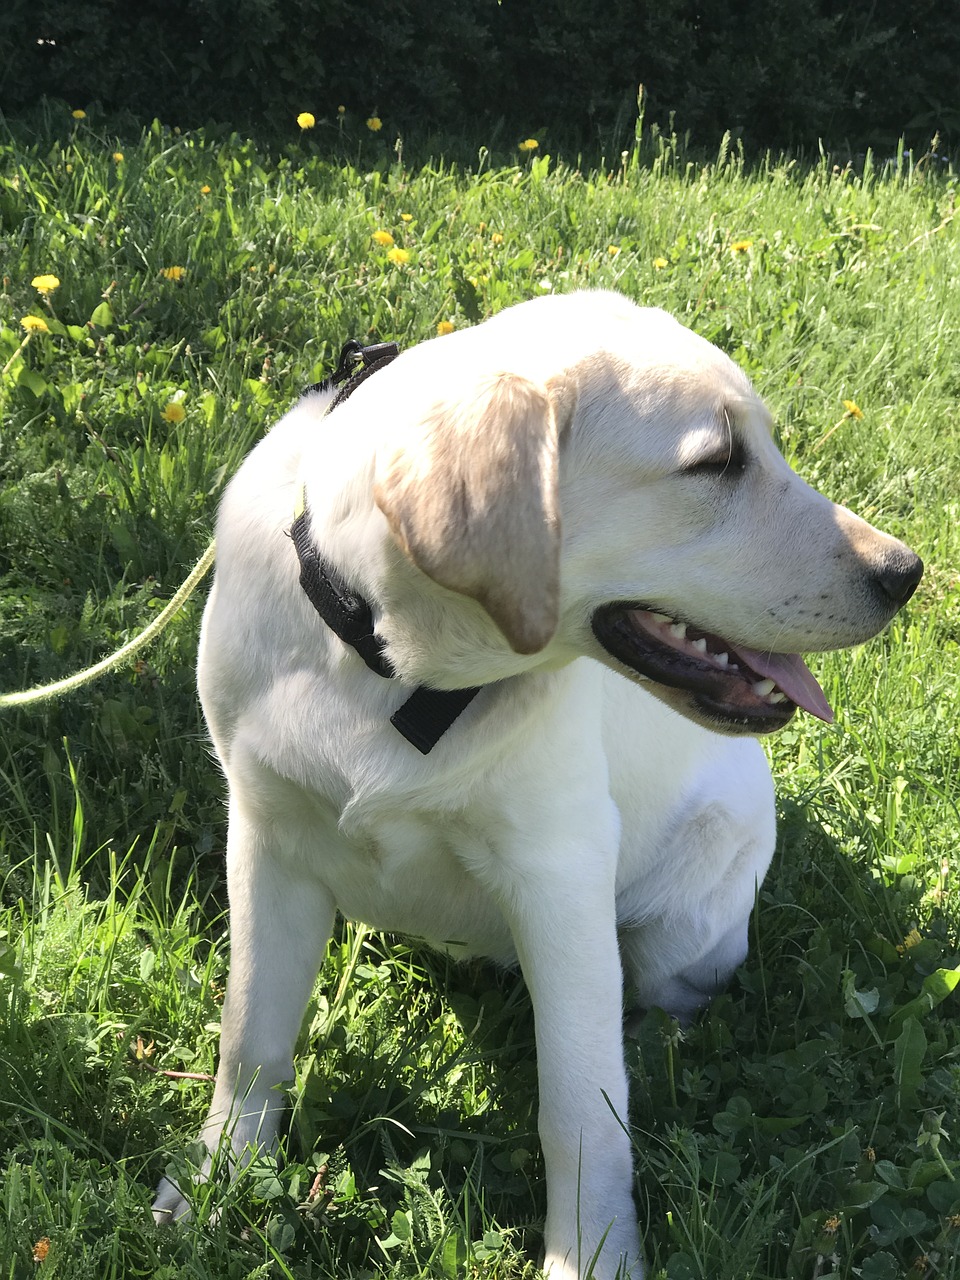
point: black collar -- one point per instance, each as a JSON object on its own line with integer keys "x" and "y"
{"x": 428, "y": 713}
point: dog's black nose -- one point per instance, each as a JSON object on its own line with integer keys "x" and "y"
{"x": 899, "y": 576}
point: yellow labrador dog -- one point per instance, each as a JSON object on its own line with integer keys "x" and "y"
{"x": 573, "y": 516}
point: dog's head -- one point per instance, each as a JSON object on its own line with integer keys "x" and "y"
{"x": 604, "y": 482}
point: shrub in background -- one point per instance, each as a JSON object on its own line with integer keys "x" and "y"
{"x": 776, "y": 72}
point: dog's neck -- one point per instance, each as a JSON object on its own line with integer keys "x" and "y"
{"x": 426, "y": 640}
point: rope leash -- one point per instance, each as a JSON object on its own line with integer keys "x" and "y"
{"x": 45, "y": 692}
{"x": 348, "y": 378}
{"x": 371, "y": 359}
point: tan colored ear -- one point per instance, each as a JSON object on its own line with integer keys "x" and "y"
{"x": 472, "y": 500}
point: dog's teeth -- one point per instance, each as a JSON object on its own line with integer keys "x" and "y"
{"x": 777, "y": 697}
{"x": 721, "y": 659}
{"x": 763, "y": 687}
{"x": 700, "y": 646}
{"x": 661, "y": 617}
{"x": 679, "y": 630}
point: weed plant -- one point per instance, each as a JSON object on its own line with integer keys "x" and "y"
{"x": 808, "y": 1125}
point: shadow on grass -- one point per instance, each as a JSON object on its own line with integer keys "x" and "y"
{"x": 806, "y": 1116}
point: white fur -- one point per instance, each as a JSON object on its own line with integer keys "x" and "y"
{"x": 568, "y": 820}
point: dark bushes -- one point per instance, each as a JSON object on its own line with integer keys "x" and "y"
{"x": 777, "y": 72}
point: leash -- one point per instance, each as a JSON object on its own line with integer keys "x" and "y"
{"x": 425, "y": 716}
{"x": 58, "y": 688}
{"x": 44, "y": 692}
{"x": 428, "y": 713}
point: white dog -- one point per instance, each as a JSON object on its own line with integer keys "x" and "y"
{"x": 575, "y": 512}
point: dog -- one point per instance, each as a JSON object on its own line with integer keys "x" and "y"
{"x": 502, "y": 691}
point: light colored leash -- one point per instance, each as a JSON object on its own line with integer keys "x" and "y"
{"x": 44, "y": 692}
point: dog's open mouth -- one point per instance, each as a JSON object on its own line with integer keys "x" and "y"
{"x": 745, "y": 689}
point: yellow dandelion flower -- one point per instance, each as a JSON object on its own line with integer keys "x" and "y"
{"x": 305, "y": 120}
{"x": 382, "y": 238}
{"x": 406, "y": 217}
{"x": 444, "y": 327}
{"x": 496, "y": 238}
{"x": 398, "y": 256}
{"x": 117, "y": 157}
{"x": 528, "y": 144}
{"x": 175, "y": 274}
{"x": 205, "y": 190}
{"x": 741, "y": 246}
{"x": 912, "y": 938}
{"x": 613, "y": 250}
{"x": 45, "y": 284}
{"x": 78, "y": 114}
{"x": 35, "y": 324}
{"x": 68, "y": 168}
{"x": 41, "y": 1249}
{"x": 660, "y": 263}
{"x": 853, "y": 408}
{"x": 374, "y": 124}
{"x": 173, "y": 412}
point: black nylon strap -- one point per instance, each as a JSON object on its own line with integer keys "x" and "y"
{"x": 428, "y": 713}
{"x": 345, "y": 613}
{"x": 374, "y": 357}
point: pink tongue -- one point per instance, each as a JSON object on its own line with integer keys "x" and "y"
{"x": 791, "y": 674}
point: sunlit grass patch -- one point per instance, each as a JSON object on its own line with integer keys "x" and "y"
{"x": 807, "y": 1125}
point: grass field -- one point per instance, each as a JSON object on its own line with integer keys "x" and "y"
{"x": 808, "y": 1126}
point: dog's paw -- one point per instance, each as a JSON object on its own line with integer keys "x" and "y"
{"x": 614, "y": 1260}
{"x": 182, "y": 1188}
{"x": 606, "y": 1267}
{"x": 170, "y": 1205}
{"x": 600, "y": 1252}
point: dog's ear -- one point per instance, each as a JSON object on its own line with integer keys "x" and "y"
{"x": 471, "y": 497}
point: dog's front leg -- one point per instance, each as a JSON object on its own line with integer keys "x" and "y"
{"x": 566, "y": 938}
{"x": 280, "y": 921}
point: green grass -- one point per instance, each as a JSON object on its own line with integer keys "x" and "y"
{"x": 809, "y": 1124}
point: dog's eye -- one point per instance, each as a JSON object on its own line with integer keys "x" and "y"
{"x": 729, "y": 459}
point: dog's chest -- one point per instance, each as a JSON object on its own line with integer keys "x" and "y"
{"x": 416, "y": 874}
